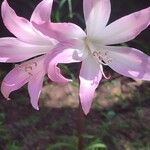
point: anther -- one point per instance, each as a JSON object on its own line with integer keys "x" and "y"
{"x": 102, "y": 57}
{"x": 28, "y": 68}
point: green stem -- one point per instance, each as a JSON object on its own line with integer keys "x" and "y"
{"x": 81, "y": 128}
{"x": 70, "y": 9}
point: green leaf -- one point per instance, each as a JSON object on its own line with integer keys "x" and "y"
{"x": 97, "y": 146}
{"x": 61, "y": 145}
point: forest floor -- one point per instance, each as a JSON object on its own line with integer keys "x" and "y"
{"x": 119, "y": 118}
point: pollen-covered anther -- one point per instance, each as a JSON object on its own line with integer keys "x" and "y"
{"x": 28, "y": 68}
{"x": 102, "y": 57}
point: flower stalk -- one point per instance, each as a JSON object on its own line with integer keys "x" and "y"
{"x": 81, "y": 127}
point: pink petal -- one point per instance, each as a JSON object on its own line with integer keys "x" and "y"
{"x": 96, "y": 13}
{"x": 42, "y": 12}
{"x": 20, "y": 75}
{"x": 34, "y": 88}
{"x": 61, "y": 31}
{"x": 129, "y": 62}
{"x": 62, "y": 53}
{"x": 21, "y": 27}
{"x": 14, "y": 50}
{"x": 14, "y": 80}
{"x": 126, "y": 28}
{"x": 90, "y": 76}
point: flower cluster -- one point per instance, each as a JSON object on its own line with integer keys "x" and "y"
{"x": 40, "y": 44}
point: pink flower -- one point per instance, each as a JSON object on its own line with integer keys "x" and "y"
{"x": 94, "y": 48}
{"x": 29, "y": 42}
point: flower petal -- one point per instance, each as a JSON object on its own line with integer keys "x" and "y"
{"x": 96, "y": 13}
{"x": 90, "y": 76}
{"x": 21, "y": 27}
{"x": 129, "y": 62}
{"x": 34, "y": 89}
{"x": 61, "y": 31}
{"x": 20, "y": 75}
{"x": 63, "y": 53}
{"x": 14, "y": 50}
{"x": 126, "y": 28}
{"x": 42, "y": 12}
{"x": 14, "y": 80}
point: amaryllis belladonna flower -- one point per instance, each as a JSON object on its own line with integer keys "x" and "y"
{"x": 29, "y": 42}
{"x": 95, "y": 48}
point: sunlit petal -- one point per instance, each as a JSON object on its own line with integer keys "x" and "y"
{"x": 14, "y": 50}
{"x": 21, "y": 27}
{"x": 61, "y": 31}
{"x": 90, "y": 76}
{"x": 35, "y": 87}
{"x": 42, "y": 12}
{"x": 126, "y": 28}
{"x": 129, "y": 62}
{"x": 96, "y": 13}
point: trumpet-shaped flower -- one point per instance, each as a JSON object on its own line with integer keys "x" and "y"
{"x": 29, "y": 42}
{"x": 96, "y": 50}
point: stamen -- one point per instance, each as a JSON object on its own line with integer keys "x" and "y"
{"x": 28, "y": 68}
{"x": 34, "y": 63}
{"x": 102, "y": 57}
